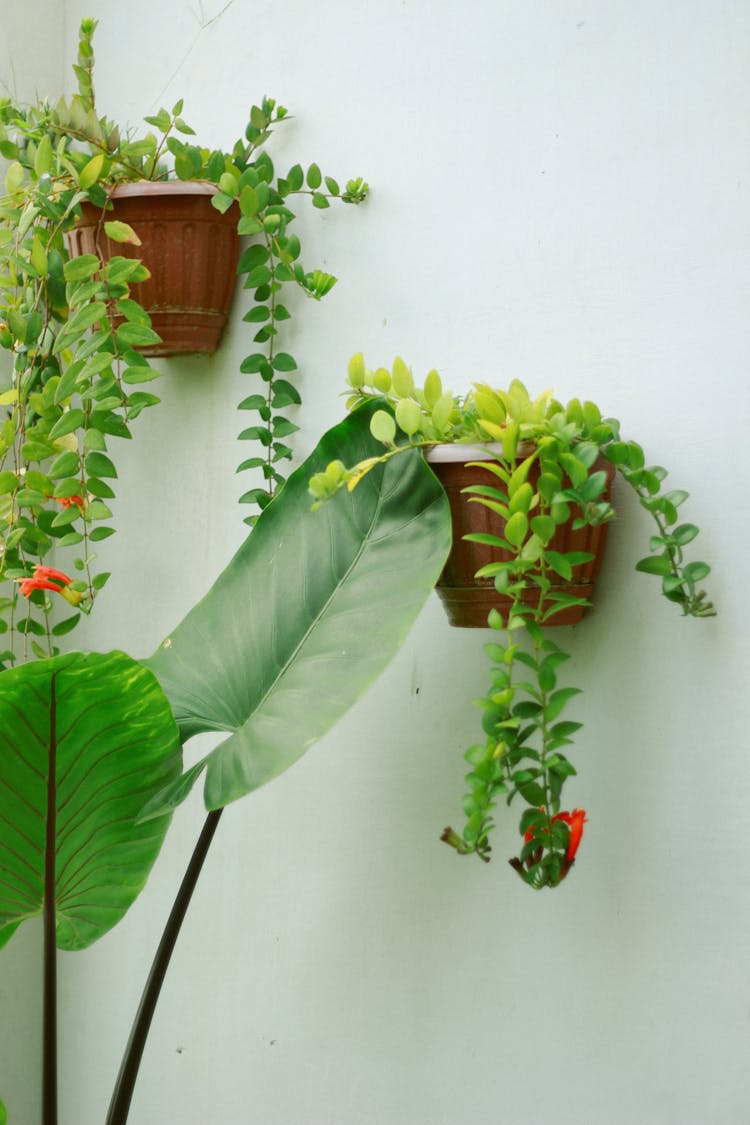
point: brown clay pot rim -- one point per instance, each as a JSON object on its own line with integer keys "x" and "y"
{"x": 462, "y": 452}
{"x": 163, "y": 187}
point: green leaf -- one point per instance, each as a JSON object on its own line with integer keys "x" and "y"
{"x": 132, "y": 335}
{"x": 256, "y": 255}
{"x": 95, "y": 734}
{"x": 314, "y": 177}
{"x": 532, "y": 793}
{"x": 654, "y": 564}
{"x": 64, "y": 465}
{"x": 99, "y": 465}
{"x": 229, "y": 184}
{"x": 282, "y": 427}
{"x": 119, "y": 270}
{"x": 66, "y": 626}
{"x": 383, "y": 427}
{"x": 253, "y": 402}
{"x": 295, "y": 178}
{"x": 98, "y": 488}
{"x": 83, "y": 319}
{"x": 121, "y": 232}
{"x": 684, "y": 534}
{"x": 249, "y": 201}
{"x": 286, "y": 641}
{"x": 82, "y": 268}
{"x": 284, "y": 362}
{"x": 39, "y": 256}
{"x": 143, "y": 374}
{"x": 68, "y": 422}
{"x": 98, "y": 533}
{"x": 544, "y": 527}
{"x": 221, "y": 202}
{"x": 285, "y": 394}
{"x": 14, "y": 178}
{"x": 516, "y": 528}
{"x": 560, "y": 564}
{"x": 253, "y": 364}
{"x": 557, "y": 702}
{"x": 247, "y": 224}
{"x": 257, "y": 315}
{"x": 408, "y": 416}
{"x": 696, "y": 571}
{"x": 91, "y": 171}
{"x": 251, "y": 463}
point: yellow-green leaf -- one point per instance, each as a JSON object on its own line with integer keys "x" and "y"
{"x": 408, "y": 415}
{"x": 91, "y": 172}
{"x": 43, "y": 158}
{"x": 383, "y": 427}
{"x": 121, "y": 232}
{"x": 516, "y": 528}
{"x": 356, "y": 370}
{"x": 492, "y": 429}
{"x": 39, "y": 255}
{"x": 401, "y": 378}
{"x": 14, "y": 178}
{"x": 433, "y": 389}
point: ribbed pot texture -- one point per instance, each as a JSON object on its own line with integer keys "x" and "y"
{"x": 468, "y": 600}
{"x": 190, "y": 249}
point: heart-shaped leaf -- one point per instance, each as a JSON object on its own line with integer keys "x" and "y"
{"x": 306, "y": 615}
{"x": 85, "y": 742}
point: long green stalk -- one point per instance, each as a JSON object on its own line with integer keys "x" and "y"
{"x": 119, "y": 1107}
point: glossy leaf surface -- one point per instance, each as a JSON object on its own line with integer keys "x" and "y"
{"x": 85, "y": 742}
{"x": 307, "y": 614}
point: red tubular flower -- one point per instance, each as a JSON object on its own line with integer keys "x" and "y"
{"x": 47, "y": 578}
{"x": 67, "y": 501}
{"x": 575, "y": 821}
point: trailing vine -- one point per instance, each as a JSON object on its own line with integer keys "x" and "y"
{"x": 548, "y": 469}
{"x": 74, "y": 329}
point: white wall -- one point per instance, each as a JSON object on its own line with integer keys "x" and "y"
{"x": 560, "y": 193}
{"x": 31, "y": 62}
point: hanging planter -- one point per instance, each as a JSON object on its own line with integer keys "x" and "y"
{"x": 535, "y": 515}
{"x": 189, "y": 248}
{"x": 468, "y": 599}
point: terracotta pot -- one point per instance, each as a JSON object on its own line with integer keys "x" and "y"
{"x": 468, "y": 600}
{"x": 189, "y": 248}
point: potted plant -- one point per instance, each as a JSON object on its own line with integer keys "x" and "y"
{"x": 543, "y": 478}
{"x": 74, "y": 313}
{"x": 286, "y": 640}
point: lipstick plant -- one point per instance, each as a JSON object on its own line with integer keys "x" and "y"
{"x": 527, "y": 731}
{"x": 75, "y": 380}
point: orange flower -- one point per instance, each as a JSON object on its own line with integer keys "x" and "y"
{"x": 575, "y": 821}
{"x": 67, "y": 501}
{"x": 47, "y": 578}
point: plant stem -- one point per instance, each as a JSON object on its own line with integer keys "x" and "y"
{"x": 49, "y": 1052}
{"x": 119, "y": 1106}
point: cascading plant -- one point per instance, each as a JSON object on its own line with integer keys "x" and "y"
{"x": 72, "y": 328}
{"x": 562, "y": 449}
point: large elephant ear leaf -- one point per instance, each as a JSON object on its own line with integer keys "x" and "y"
{"x": 306, "y": 615}
{"x": 85, "y": 742}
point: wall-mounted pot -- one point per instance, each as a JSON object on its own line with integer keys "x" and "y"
{"x": 189, "y": 248}
{"x": 466, "y": 599}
